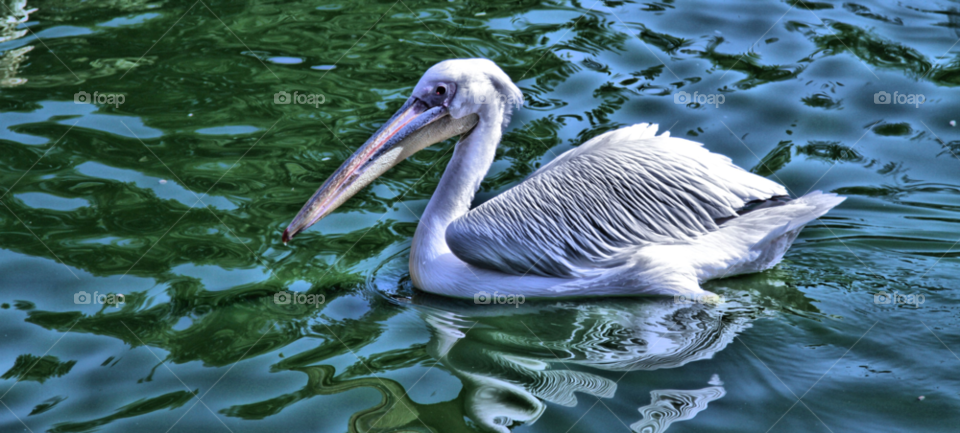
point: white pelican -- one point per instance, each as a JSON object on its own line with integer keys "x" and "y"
{"x": 626, "y": 213}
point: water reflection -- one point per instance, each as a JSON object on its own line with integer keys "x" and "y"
{"x": 512, "y": 361}
{"x": 671, "y": 405}
{"x": 13, "y": 13}
{"x": 584, "y": 72}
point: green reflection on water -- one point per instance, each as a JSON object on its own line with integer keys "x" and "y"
{"x": 177, "y": 198}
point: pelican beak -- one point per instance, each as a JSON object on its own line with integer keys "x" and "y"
{"x": 414, "y": 127}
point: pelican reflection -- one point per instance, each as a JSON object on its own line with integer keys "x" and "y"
{"x": 512, "y": 361}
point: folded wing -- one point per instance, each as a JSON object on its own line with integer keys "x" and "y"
{"x": 591, "y": 206}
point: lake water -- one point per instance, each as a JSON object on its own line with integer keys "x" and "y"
{"x": 142, "y": 154}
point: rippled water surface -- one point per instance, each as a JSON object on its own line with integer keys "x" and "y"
{"x": 176, "y": 196}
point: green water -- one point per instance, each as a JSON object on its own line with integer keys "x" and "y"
{"x": 176, "y": 198}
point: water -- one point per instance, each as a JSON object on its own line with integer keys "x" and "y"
{"x": 176, "y": 196}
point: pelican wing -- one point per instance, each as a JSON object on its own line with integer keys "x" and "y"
{"x": 593, "y": 205}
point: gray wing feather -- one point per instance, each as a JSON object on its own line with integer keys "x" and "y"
{"x": 616, "y": 193}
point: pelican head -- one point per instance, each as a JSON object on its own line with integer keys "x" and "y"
{"x": 450, "y": 100}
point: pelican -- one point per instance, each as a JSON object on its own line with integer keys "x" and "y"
{"x": 628, "y": 212}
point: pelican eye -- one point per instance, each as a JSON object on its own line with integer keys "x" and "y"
{"x": 441, "y": 90}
